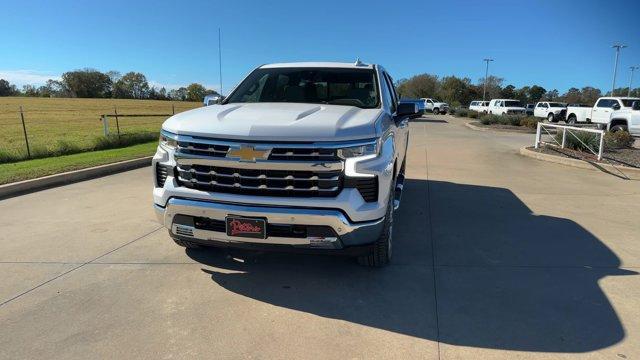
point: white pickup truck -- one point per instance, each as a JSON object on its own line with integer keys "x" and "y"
{"x": 435, "y": 106}
{"x": 300, "y": 156}
{"x": 550, "y": 110}
{"x": 613, "y": 113}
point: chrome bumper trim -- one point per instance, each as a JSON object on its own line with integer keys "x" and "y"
{"x": 349, "y": 233}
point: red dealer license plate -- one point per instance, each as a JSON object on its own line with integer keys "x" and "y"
{"x": 246, "y": 227}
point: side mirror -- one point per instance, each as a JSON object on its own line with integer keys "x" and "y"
{"x": 407, "y": 109}
{"x": 635, "y": 105}
{"x": 615, "y": 106}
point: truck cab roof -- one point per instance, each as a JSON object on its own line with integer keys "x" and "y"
{"x": 313, "y": 64}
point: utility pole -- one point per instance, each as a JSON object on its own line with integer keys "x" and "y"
{"x": 633, "y": 68}
{"x": 220, "y": 57}
{"x": 615, "y": 67}
{"x": 486, "y": 76}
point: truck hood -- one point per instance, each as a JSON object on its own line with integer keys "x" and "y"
{"x": 276, "y": 122}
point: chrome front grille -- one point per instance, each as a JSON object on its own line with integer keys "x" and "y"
{"x": 260, "y": 181}
{"x": 202, "y": 149}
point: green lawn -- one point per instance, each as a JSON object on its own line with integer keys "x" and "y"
{"x": 55, "y": 123}
{"x": 31, "y": 169}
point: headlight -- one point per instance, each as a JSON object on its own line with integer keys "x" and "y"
{"x": 355, "y": 154}
{"x": 168, "y": 140}
{"x": 358, "y": 151}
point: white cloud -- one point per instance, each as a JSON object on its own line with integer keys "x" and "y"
{"x": 27, "y": 77}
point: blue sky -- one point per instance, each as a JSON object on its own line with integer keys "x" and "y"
{"x": 556, "y": 44}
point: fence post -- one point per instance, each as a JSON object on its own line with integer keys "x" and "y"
{"x": 537, "y": 144}
{"x": 105, "y": 124}
{"x": 24, "y": 129}
{"x": 601, "y": 145}
{"x": 564, "y": 137}
{"x": 115, "y": 110}
{"x": 173, "y": 109}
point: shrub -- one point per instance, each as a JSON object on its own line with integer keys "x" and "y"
{"x": 579, "y": 140}
{"x": 530, "y": 122}
{"x": 462, "y": 113}
{"x": 490, "y": 119}
{"x": 452, "y": 111}
{"x": 618, "y": 140}
{"x": 473, "y": 114}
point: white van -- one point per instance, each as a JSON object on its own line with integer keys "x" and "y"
{"x": 506, "y": 107}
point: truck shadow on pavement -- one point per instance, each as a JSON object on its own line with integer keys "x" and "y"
{"x": 505, "y": 278}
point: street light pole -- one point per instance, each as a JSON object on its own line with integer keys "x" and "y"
{"x": 486, "y": 75}
{"x": 633, "y": 68}
{"x": 615, "y": 67}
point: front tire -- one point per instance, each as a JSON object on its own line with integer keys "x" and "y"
{"x": 380, "y": 255}
{"x": 571, "y": 120}
{"x": 436, "y": 111}
{"x": 617, "y": 128}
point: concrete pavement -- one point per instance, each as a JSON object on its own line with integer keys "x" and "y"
{"x": 496, "y": 256}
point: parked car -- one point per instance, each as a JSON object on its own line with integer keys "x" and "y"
{"x": 529, "y": 108}
{"x": 479, "y": 106}
{"x": 435, "y": 106}
{"x": 301, "y": 156}
{"x": 211, "y": 99}
{"x": 419, "y": 103}
{"x": 506, "y": 107}
{"x": 550, "y": 110}
{"x": 614, "y": 113}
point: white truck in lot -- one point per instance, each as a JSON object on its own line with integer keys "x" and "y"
{"x": 435, "y": 106}
{"x": 506, "y": 107}
{"x": 300, "y": 156}
{"x": 479, "y": 106}
{"x": 550, "y": 110}
{"x": 613, "y": 113}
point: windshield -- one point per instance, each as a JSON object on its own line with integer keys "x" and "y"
{"x": 512, "y": 103}
{"x": 553, "y": 104}
{"x": 354, "y": 87}
{"x": 629, "y": 102}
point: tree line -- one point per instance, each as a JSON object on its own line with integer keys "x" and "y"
{"x": 461, "y": 91}
{"x": 91, "y": 83}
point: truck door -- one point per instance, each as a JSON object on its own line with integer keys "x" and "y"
{"x": 540, "y": 110}
{"x": 601, "y": 113}
{"x": 402, "y": 127}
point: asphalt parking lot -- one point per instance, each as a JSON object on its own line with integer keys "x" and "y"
{"x": 496, "y": 256}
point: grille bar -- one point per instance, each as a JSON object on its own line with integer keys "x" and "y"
{"x": 260, "y": 182}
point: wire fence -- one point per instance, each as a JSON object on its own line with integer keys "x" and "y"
{"x": 28, "y": 131}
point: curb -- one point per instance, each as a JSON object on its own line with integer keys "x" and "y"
{"x": 32, "y": 185}
{"x": 513, "y": 131}
{"x": 616, "y": 170}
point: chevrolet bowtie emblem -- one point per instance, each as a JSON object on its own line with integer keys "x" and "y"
{"x": 247, "y": 153}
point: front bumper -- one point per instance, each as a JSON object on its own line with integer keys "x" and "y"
{"x": 175, "y": 217}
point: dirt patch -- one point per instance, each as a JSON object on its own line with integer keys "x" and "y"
{"x": 625, "y": 157}
{"x": 500, "y": 127}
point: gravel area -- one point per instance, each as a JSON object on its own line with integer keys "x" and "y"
{"x": 626, "y": 157}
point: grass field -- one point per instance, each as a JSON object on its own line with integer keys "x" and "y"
{"x": 31, "y": 169}
{"x": 55, "y": 123}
